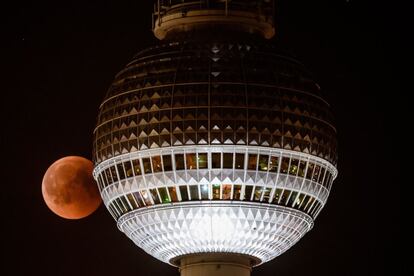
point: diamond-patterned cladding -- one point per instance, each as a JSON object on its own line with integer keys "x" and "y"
{"x": 254, "y": 97}
{"x": 203, "y": 97}
{"x": 257, "y": 230}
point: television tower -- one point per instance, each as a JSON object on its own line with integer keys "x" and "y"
{"x": 213, "y": 151}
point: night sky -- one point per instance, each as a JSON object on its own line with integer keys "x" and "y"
{"x": 61, "y": 56}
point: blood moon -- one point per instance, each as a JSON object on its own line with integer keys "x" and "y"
{"x": 69, "y": 189}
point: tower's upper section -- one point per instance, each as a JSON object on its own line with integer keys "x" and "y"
{"x": 214, "y": 141}
{"x": 172, "y": 17}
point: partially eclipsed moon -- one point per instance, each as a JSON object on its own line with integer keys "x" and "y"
{"x": 69, "y": 189}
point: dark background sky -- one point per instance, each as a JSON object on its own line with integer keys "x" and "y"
{"x": 59, "y": 59}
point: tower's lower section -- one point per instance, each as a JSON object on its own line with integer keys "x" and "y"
{"x": 171, "y": 231}
{"x": 216, "y": 264}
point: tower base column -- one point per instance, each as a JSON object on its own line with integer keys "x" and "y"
{"x": 215, "y": 264}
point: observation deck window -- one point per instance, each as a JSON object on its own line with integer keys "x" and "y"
{"x": 121, "y": 206}
{"x": 298, "y": 201}
{"x": 263, "y": 162}
{"x": 202, "y": 161}
{"x": 239, "y": 162}
{"x": 113, "y": 174}
{"x": 237, "y": 192}
{"x": 316, "y": 172}
{"x": 191, "y": 161}
{"x": 204, "y": 191}
{"x": 173, "y": 194}
{"x": 284, "y": 197}
{"x": 132, "y": 201}
{"x": 304, "y": 203}
{"x": 273, "y": 165}
{"x": 121, "y": 171}
{"x": 252, "y": 162}
{"x": 321, "y": 175}
{"x": 179, "y": 162}
{"x": 285, "y": 165}
{"x": 164, "y": 195}
{"x": 100, "y": 183}
{"x": 118, "y": 209}
{"x": 227, "y": 160}
{"x": 184, "y": 193}
{"x": 276, "y": 196}
{"x": 138, "y": 198}
{"x": 216, "y": 160}
{"x": 309, "y": 170}
{"x": 113, "y": 210}
{"x": 147, "y": 165}
{"x": 226, "y": 192}
{"x": 105, "y": 179}
{"x": 258, "y": 193}
{"x": 248, "y": 192}
{"x": 124, "y": 205}
{"x": 156, "y": 164}
{"x": 146, "y": 198}
{"x": 292, "y": 199}
{"x": 137, "y": 167}
{"x": 266, "y": 194}
{"x": 216, "y": 191}
{"x": 128, "y": 168}
{"x": 302, "y": 168}
{"x": 194, "y": 192}
{"x": 155, "y": 197}
{"x": 309, "y": 204}
{"x": 167, "y": 162}
{"x": 293, "y": 169}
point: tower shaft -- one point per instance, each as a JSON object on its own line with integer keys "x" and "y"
{"x": 215, "y": 264}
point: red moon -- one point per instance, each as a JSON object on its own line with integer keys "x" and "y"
{"x": 69, "y": 189}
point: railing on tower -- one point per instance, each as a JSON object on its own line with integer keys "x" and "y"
{"x": 182, "y": 15}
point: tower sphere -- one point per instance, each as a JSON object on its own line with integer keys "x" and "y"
{"x": 214, "y": 141}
